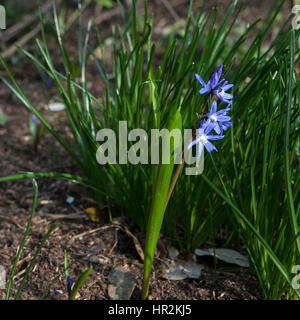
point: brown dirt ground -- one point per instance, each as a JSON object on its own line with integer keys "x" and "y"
{"x": 110, "y": 241}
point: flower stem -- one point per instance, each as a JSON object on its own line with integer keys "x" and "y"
{"x": 180, "y": 166}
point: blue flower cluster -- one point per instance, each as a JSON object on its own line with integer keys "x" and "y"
{"x": 218, "y": 121}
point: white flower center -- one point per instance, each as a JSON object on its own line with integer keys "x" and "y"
{"x": 213, "y": 117}
{"x": 221, "y": 93}
{"x": 203, "y": 139}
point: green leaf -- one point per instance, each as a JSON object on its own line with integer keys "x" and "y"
{"x": 80, "y": 282}
{"x": 2, "y": 119}
{"x": 161, "y": 189}
{"x": 106, "y": 3}
{"x": 32, "y": 127}
{"x": 66, "y": 264}
{"x": 11, "y": 278}
{"x": 31, "y": 265}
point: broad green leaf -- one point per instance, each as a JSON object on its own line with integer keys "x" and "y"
{"x": 160, "y": 194}
{"x": 80, "y": 282}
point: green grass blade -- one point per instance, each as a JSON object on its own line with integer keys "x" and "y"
{"x": 80, "y": 282}
{"x": 30, "y": 267}
{"x": 35, "y": 197}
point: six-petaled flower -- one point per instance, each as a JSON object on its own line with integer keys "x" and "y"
{"x": 212, "y": 83}
{"x": 219, "y": 118}
{"x": 221, "y": 93}
{"x": 203, "y": 137}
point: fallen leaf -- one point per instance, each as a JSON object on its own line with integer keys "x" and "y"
{"x": 201, "y": 252}
{"x": 226, "y": 255}
{"x": 191, "y": 269}
{"x": 179, "y": 270}
{"x": 172, "y": 252}
{"x": 174, "y": 272}
{"x": 122, "y": 283}
{"x": 96, "y": 214}
{"x": 136, "y": 242}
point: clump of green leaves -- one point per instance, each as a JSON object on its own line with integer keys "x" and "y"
{"x": 254, "y": 181}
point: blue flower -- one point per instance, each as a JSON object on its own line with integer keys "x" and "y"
{"x": 212, "y": 83}
{"x": 224, "y": 125}
{"x": 220, "y": 92}
{"x": 34, "y": 119}
{"x": 69, "y": 284}
{"x": 203, "y": 137}
{"x": 47, "y": 81}
{"x": 219, "y": 118}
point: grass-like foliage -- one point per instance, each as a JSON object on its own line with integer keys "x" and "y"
{"x": 21, "y": 246}
{"x": 252, "y": 186}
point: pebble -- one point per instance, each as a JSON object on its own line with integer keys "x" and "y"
{"x": 58, "y": 291}
{"x": 2, "y": 277}
{"x": 70, "y": 200}
{"x": 99, "y": 260}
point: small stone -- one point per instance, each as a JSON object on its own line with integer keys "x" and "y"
{"x": 2, "y": 277}
{"x": 99, "y": 260}
{"x": 58, "y": 291}
{"x": 70, "y": 200}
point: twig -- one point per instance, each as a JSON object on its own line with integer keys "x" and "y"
{"x": 14, "y": 30}
{"x": 19, "y": 274}
{"x": 173, "y": 13}
{"x": 19, "y": 27}
{"x": 23, "y": 260}
{"x": 13, "y": 48}
{"x": 174, "y": 180}
{"x": 137, "y": 244}
{"x": 180, "y": 166}
{"x": 115, "y": 244}
{"x": 106, "y": 15}
{"x": 71, "y": 216}
{"x": 91, "y": 231}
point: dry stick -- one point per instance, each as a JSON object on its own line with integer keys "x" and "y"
{"x": 115, "y": 244}
{"x": 14, "y": 30}
{"x": 106, "y": 15}
{"x": 23, "y": 260}
{"x": 174, "y": 180}
{"x": 13, "y": 48}
{"x": 173, "y": 13}
{"x": 91, "y": 231}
